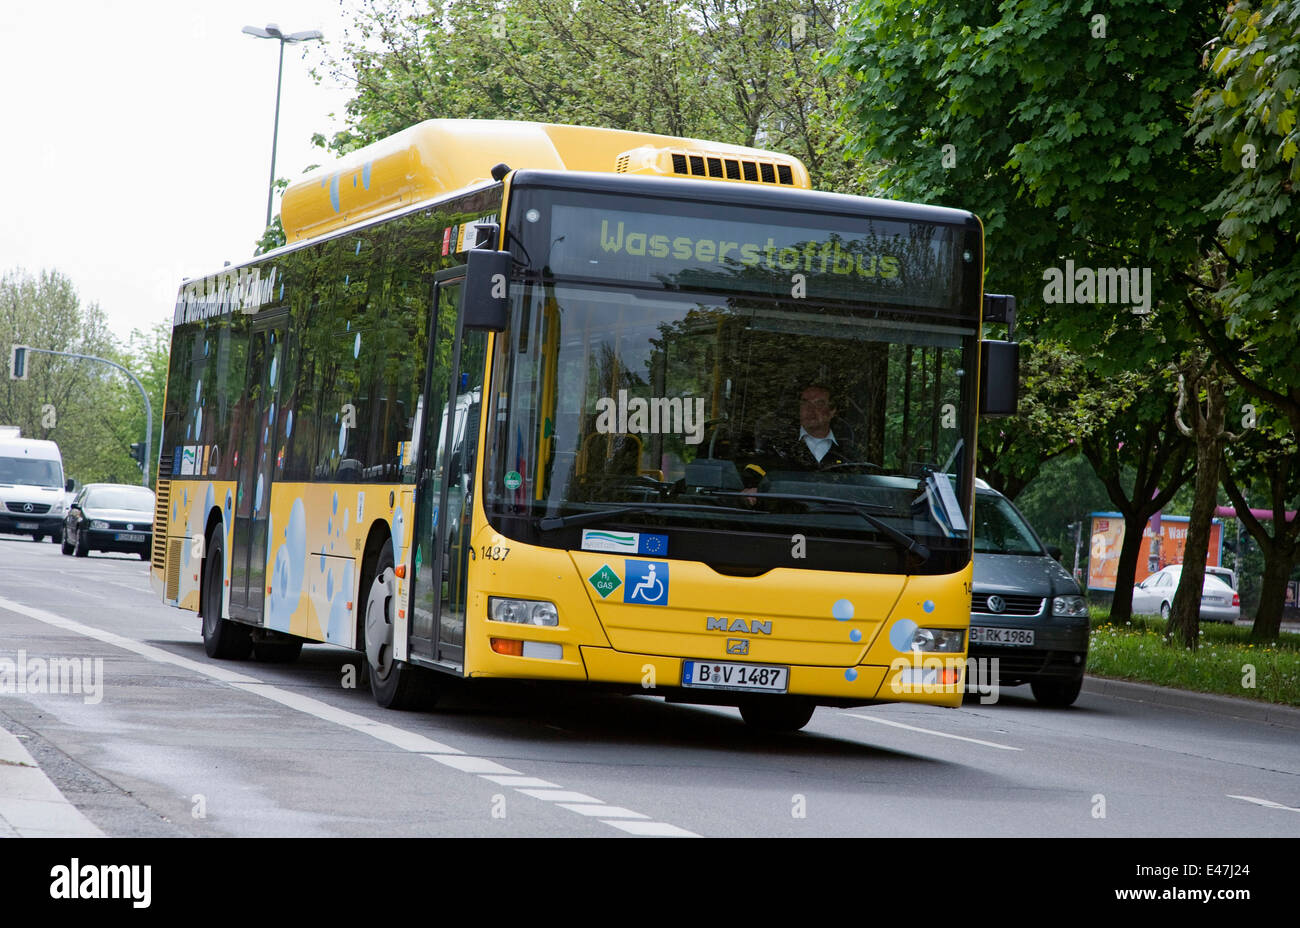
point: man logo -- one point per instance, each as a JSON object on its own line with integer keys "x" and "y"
{"x": 737, "y": 645}
{"x": 745, "y": 627}
{"x": 997, "y": 604}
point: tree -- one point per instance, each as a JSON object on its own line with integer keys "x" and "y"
{"x": 83, "y": 406}
{"x": 738, "y": 71}
{"x": 1249, "y": 114}
{"x": 1267, "y": 459}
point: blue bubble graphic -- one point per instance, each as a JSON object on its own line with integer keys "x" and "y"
{"x": 842, "y": 610}
{"x": 288, "y": 424}
{"x": 851, "y": 674}
{"x": 855, "y": 635}
{"x": 257, "y": 495}
{"x": 356, "y": 346}
{"x": 329, "y": 585}
{"x": 928, "y": 605}
{"x": 900, "y": 634}
{"x": 198, "y": 421}
{"x": 335, "y": 508}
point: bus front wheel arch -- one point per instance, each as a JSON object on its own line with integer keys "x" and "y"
{"x": 395, "y": 684}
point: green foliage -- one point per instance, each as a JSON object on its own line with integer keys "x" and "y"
{"x": 1137, "y": 651}
{"x": 90, "y": 409}
{"x": 738, "y": 71}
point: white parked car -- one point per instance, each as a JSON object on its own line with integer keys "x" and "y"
{"x": 1155, "y": 595}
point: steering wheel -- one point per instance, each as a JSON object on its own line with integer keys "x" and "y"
{"x": 854, "y": 464}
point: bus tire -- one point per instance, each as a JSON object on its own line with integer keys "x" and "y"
{"x": 222, "y": 638}
{"x": 395, "y": 684}
{"x": 777, "y": 713}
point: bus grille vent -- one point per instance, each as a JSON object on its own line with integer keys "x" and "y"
{"x": 622, "y": 164}
{"x": 162, "y": 500}
{"x": 765, "y": 172}
{"x": 174, "y": 569}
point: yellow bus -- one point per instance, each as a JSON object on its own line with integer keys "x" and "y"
{"x": 556, "y": 403}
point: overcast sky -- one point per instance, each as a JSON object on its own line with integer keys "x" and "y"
{"x": 137, "y": 138}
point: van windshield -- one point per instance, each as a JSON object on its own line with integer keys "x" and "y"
{"x": 30, "y": 472}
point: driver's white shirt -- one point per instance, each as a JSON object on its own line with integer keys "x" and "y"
{"x": 818, "y": 446}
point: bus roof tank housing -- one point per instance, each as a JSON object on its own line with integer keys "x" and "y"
{"x": 441, "y": 155}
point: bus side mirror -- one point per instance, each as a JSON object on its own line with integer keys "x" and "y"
{"x": 487, "y": 290}
{"x": 999, "y": 379}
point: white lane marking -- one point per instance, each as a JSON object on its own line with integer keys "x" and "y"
{"x": 467, "y": 764}
{"x": 602, "y": 811}
{"x": 522, "y": 781}
{"x": 399, "y": 738}
{"x": 927, "y": 731}
{"x": 652, "y": 829}
{"x": 558, "y": 795}
{"x": 1267, "y": 803}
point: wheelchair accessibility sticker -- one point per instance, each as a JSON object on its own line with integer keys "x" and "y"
{"x": 646, "y": 583}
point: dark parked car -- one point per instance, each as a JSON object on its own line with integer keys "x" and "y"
{"x": 1026, "y": 609}
{"x": 110, "y": 517}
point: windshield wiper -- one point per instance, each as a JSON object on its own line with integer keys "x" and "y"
{"x": 551, "y": 523}
{"x": 903, "y": 540}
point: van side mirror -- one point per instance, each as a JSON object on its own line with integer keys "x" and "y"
{"x": 69, "y": 486}
{"x": 1054, "y": 551}
{"x": 487, "y": 290}
{"x": 999, "y": 379}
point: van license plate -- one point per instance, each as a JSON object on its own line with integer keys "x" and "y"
{"x": 1023, "y": 637}
{"x": 746, "y": 677}
{"x": 27, "y": 526}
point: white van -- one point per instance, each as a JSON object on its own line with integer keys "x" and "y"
{"x": 31, "y": 487}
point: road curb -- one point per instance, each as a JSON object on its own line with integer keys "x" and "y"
{"x": 30, "y": 805}
{"x": 1271, "y": 713}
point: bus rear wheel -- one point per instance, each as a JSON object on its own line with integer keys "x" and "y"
{"x": 222, "y": 638}
{"x": 395, "y": 684}
{"x": 777, "y": 713}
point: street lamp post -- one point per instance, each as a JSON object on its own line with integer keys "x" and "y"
{"x": 272, "y": 31}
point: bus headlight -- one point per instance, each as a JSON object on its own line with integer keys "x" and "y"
{"x": 933, "y": 640}
{"x": 1069, "y": 606}
{"x": 522, "y": 611}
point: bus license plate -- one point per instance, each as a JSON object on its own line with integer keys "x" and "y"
{"x": 123, "y": 536}
{"x": 1023, "y": 637}
{"x": 719, "y": 676}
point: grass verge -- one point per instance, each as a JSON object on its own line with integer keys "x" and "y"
{"x": 1227, "y": 662}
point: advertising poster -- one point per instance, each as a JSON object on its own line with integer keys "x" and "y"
{"x": 1107, "y": 537}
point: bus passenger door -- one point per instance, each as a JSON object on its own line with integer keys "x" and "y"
{"x": 449, "y": 454}
{"x": 253, "y": 475}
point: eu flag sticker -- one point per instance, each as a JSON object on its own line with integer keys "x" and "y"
{"x": 654, "y": 545}
{"x": 646, "y": 583}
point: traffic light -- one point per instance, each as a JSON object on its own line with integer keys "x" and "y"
{"x": 18, "y": 363}
{"x": 137, "y": 453}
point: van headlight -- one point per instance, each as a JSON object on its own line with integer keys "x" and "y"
{"x": 931, "y": 640}
{"x": 1069, "y": 606}
{"x": 522, "y": 611}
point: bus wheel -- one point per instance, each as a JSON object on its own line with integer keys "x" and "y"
{"x": 222, "y": 638}
{"x": 395, "y": 684}
{"x": 777, "y": 713}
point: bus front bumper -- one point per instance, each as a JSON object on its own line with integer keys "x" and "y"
{"x": 907, "y": 681}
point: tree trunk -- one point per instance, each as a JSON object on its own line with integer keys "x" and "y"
{"x": 1207, "y": 428}
{"x": 1121, "y": 603}
{"x": 1278, "y": 560}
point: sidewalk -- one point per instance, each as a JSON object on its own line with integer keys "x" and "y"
{"x": 30, "y": 805}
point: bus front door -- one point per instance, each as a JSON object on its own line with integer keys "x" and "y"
{"x": 253, "y": 472}
{"x": 449, "y": 449}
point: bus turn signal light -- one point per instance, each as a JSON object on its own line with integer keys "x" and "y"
{"x": 508, "y": 646}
